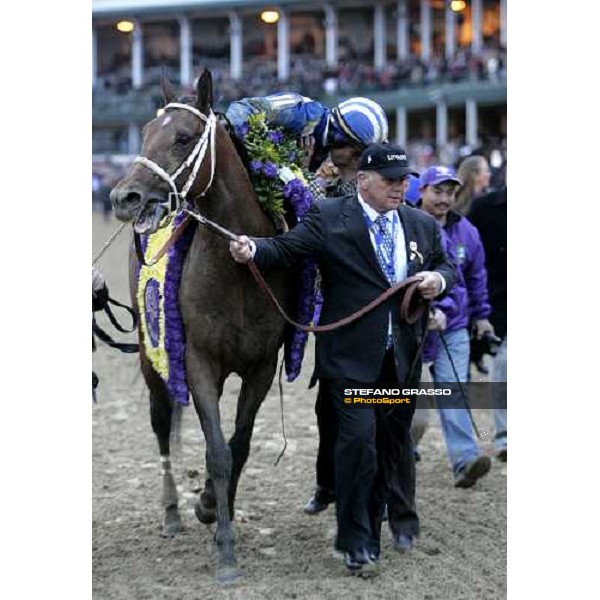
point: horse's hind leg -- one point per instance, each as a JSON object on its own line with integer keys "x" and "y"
{"x": 204, "y": 386}
{"x": 161, "y": 414}
{"x": 254, "y": 389}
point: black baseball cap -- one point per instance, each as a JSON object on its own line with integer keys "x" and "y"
{"x": 388, "y": 160}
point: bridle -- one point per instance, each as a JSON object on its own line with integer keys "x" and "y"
{"x": 177, "y": 199}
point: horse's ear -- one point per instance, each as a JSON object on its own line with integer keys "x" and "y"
{"x": 204, "y": 92}
{"x": 167, "y": 88}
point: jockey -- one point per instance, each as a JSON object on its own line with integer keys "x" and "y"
{"x": 354, "y": 122}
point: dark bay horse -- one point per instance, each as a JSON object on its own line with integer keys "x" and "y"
{"x": 229, "y": 325}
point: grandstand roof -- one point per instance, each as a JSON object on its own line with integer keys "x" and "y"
{"x": 101, "y": 8}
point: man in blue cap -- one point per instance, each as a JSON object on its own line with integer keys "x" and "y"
{"x": 438, "y": 189}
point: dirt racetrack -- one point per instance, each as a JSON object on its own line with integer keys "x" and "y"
{"x": 283, "y": 552}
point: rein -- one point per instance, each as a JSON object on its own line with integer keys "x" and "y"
{"x": 411, "y": 309}
{"x": 410, "y": 314}
{"x": 172, "y": 239}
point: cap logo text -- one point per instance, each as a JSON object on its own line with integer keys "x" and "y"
{"x": 396, "y": 157}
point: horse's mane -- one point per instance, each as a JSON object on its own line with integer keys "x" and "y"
{"x": 242, "y": 153}
{"x": 239, "y": 144}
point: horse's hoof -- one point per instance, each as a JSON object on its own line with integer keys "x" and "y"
{"x": 228, "y": 575}
{"x": 204, "y": 514}
{"x": 172, "y": 524}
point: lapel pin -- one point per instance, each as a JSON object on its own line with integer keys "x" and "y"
{"x": 415, "y": 252}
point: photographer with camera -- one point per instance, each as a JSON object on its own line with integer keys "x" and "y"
{"x": 452, "y": 358}
{"x": 489, "y": 215}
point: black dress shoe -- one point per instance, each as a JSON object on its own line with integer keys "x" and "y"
{"x": 403, "y": 542}
{"x": 319, "y": 502}
{"x": 360, "y": 564}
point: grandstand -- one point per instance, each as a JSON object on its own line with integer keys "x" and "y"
{"x": 438, "y": 67}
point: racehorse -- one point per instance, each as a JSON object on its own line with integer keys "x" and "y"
{"x": 229, "y": 325}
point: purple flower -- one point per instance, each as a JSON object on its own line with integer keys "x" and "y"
{"x": 255, "y": 166}
{"x": 270, "y": 170}
{"x": 300, "y": 197}
{"x": 296, "y": 340}
{"x": 275, "y": 136}
{"x": 244, "y": 129}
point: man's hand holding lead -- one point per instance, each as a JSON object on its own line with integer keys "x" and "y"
{"x": 431, "y": 284}
{"x": 242, "y": 250}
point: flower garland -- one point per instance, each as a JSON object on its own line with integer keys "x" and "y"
{"x": 275, "y": 168}
{"x": 158, "y": 301}
{"x": 276, "y": 174}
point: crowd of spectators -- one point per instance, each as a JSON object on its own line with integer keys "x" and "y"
{"x": 311, "y": 76}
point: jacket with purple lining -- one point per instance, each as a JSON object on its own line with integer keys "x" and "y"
{"x": 466, "y": 248}
{"x": 453, "y": 305}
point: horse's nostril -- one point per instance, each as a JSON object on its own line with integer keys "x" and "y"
{"x": 125, "y": 198}
{"x": 133, "y": 198}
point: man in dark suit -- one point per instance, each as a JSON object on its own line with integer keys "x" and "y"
{"x": 363, "y": 244}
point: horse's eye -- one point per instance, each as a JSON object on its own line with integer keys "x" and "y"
{"x": 183, "y": 139}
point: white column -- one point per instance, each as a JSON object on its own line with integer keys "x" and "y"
{"x": 471, "y": 119}
{"x": 236, "y": 62}
{"x": 450, "y": 32}
{"x": 425, "y": 30}
{"x": 401, "y": 126}
{"x": 283, "y": 47}
{"x": 476, "y": 14}
{"x": 137, "y": 55}
{"x": 503, "y": 23}
{"x": 331, "y": 35}
{"x": 185, "y": 51}
{"x": 441, "y": 125}
{"x": 379, "y": 34}
{"x": 94, "y": 58}
{"x": 133, "y": 139}
{"x": 402, "y": 30}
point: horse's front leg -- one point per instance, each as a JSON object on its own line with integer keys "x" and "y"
{"x": 161, "y": 416}
{"x": 204, "y": 387}
{"x": 255, "y": 386}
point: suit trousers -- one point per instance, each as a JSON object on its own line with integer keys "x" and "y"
{"x": 374, "y": 465}
{"x": 326, "y": 422}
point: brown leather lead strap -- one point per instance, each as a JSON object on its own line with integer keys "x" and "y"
{"x": 408, "y": 313}
{"x": 411, "y": 308}
{"x": 174, "y": 237}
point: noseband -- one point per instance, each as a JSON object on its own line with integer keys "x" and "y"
{"x": 194, "y": 160}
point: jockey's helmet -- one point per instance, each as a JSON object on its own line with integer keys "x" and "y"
{"x": 358, "y": 120}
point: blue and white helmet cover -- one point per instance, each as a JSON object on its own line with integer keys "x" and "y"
{"x": 362, "y": 120}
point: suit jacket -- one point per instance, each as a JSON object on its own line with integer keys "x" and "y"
{"x": 335, "y": 234}
{"x": 488, "y": 213}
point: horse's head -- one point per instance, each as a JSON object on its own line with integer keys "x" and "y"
{"x": 177, "y": 160}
